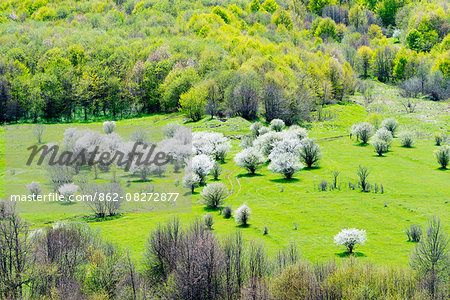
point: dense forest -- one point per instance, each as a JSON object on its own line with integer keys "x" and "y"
{"x": 69, "y": 60}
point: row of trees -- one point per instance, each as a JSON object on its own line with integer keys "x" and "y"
{"x": 69, "y": 260}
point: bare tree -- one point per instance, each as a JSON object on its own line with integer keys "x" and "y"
{"x": 14, "y": 253}
{"x": 38, "y": 131}
{"x": 161, "y": 251}
{"x": 363, "y": 173}
{"x": 198, "y": 274}
{"x": 430, "y": 257}
{"x": 233, "y": 247}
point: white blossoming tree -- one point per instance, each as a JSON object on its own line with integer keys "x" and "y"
{"x": 285, "y": 163}
{"x": 363, "y": 131}
{"x": 350, "y": 237}
{"x": 68, "y": 189}
{"x": 201, "y": 165}
{"x": 250, "y": 159}
{"x": 242, "y": 215}
{"x": 109, "y": 127}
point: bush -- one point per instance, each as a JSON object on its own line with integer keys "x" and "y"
{"x": 442, "y": 155}
{"x": 379, "y": 146}
{"x": 226, "y": 212}
{"x": 414, "y": 232}
{"x": 286, "y": 164}
{"x": 68, "y": 189}
{"x": 213, "y": 194}
{"x": 323, "y": 186}
{"x": 255, "y": 127}
{"x": 202, "y": 165}
{"x": 439, "y": 138}
{"x": 208, "y": 219}
{"x": 309, "y": 152}
{"x": 34, "y": 188}
{"x": 109, "y": 127}
{"x": 277, "y": 125}
{"x": 242, "y": 215}
{"x": 390, "y": 124}
{"x": 250, "y": 159}
{"x": 350, "y": 237}
{"x": 362, "y": 131}
{"x": 407, "y": 139}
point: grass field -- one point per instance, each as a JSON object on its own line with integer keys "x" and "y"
{"x": 414, "y": 187}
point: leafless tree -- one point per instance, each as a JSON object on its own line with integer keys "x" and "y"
{"x": 14, "y": 253}
{"x": 161, "y": 251}
{"x": 430, "y": 257}
{"x": 233, "y": 247}
{"x": 274, "y": 102}
{"x": 363, "y": 173}
{"x": 198, "y": 274}
{"x": 38, "y": 131}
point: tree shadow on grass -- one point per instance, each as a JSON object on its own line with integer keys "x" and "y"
{"x": 442, "y": 169}
{"x": 243, "y": 226}
{"x": 284, "y": 180}
{"x": 312, "y": 168}
{"x": 140, "y": 180}
{"x": 347, "y": 254}
{"x": 249, "y": 175}
{"x": 361, "y": 144}
{"x": 210, "y": 209}
{"x": 67, "y": 203}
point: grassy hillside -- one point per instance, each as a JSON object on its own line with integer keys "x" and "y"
{"x": 414, "y": 187}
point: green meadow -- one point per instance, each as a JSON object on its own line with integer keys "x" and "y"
{"x": 415, "y": 188}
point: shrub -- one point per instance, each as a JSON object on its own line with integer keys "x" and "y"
{"x": 442, "y": 155}
{"x": 208, "y": 219}
{"x": 109, "y": 127}
{"x": 439, "y": 138}
{"x": 226, "y": 212}
{"x": 242, "y": 215}
{"x": 191, "y": 181}
{"x": 250, "y": 159}
{"x": 309, "y": 152}
{"x": 362, "y": 131}
{"x": 34, "y": 188}
{"x": 202, "y": 165}
{"x": 286, "y": 164}
{"x": 363, "y": 173}
{"x": 414, "y": 232}
{"x": 277, "y": 125}
{"x": 213, "y": 194}
{"x": 323, "y": 185}
{"x": 379, "y": 146}
{"x": 68, "y": 189}
{"x": 139, "y": 136}
{"x": 406, "y": 139}
{"x": 216, "y": 170}
{"x": 255, "y": 127}
{"x": 390, "y": 124}
{"x": 350, "y": 237}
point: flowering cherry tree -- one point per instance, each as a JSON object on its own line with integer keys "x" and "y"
{"x": 349, "y": 237}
